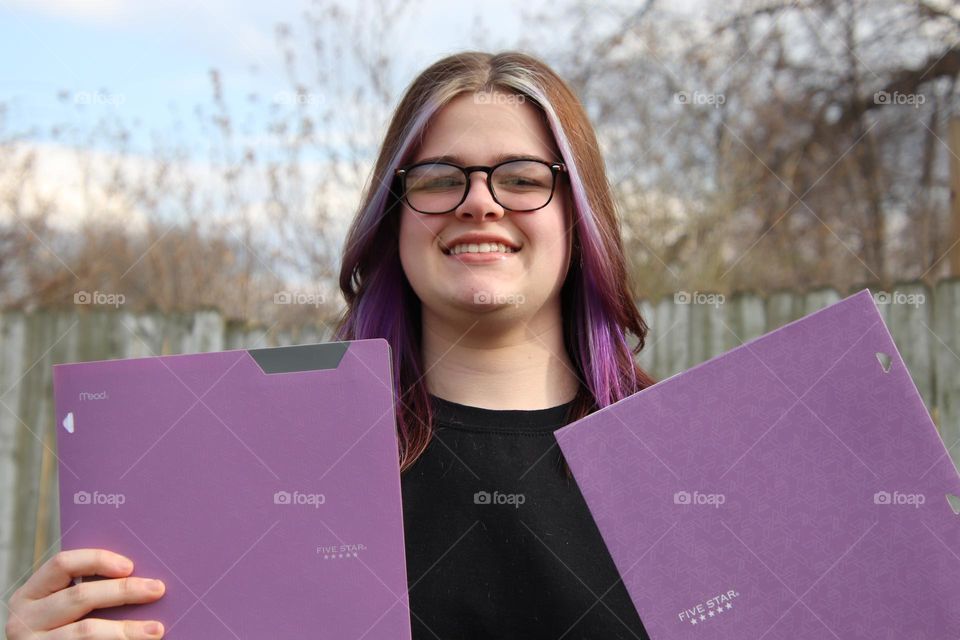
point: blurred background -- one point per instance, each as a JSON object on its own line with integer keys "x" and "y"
{"x": 178, "y": 177}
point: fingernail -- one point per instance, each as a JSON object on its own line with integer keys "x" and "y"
{"x": 153, "y": 628}
{"x": 124, "y": 565}
{"x": 155, "y": 586}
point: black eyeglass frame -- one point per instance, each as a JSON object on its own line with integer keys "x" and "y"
{"x": 555, "y": 168}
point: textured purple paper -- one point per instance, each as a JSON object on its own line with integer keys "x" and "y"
{"x": 789, "y": 488}
{"x": 269, "y": 504}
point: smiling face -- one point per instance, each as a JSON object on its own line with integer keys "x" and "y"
{"x": 470, "y": 131}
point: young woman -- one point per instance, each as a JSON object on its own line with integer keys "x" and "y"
{"x": 487, "y": 252}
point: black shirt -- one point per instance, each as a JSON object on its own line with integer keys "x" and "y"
{"x": 499, "y": 540}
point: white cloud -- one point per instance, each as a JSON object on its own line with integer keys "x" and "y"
{"x": 76, "y": 184}
{"x": 101, "y": 12}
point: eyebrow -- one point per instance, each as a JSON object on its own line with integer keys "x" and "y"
{"x": 503, "y": 157}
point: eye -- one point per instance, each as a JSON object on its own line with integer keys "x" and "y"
{"x": 440, "y": 183}
{"x": 520, "y": 181}
{"x": 434, "y": 178}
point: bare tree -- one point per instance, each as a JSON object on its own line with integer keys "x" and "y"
{"x": 770, "y": 145}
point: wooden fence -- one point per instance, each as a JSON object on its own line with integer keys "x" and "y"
{"x": 685, "y": 330}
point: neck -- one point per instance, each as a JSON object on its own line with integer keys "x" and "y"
{"x": 495, "y": 362}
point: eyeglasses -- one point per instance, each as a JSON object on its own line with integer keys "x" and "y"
{"x": 441, "y": 187}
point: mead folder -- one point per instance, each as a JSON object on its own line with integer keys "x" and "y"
{"x": 794, "y": 487}
{"x": 262, "y": 486}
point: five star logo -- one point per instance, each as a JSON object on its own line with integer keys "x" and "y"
{"x": 708, "y": 608}
{"x": 703, "y": 618}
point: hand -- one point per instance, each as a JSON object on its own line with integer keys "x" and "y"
{"x": 49, "y": 607}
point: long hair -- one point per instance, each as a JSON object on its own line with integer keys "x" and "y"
{"x": 596, "y": 300}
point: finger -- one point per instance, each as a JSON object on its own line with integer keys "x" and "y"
{"x": 99, "y": 629}
{"x": 58, "y": 572}
{"x": 70, "y": 604}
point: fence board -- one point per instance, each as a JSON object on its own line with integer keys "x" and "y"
{"x": 945, "y": 336}
{"x": 908, "y": 315}
{"x": 12, "y": 340}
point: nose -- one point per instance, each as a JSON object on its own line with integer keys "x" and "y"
{"x": 479, "y": 203}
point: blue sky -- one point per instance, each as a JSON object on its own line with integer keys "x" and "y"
{"x": 145, "y": 60}
{"x": 147, "y": 64}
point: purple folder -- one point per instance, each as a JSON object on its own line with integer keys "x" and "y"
{"x": 262, "y": 486}
{"x": 793, "y": 487}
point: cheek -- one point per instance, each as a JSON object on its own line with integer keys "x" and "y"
{"x": 419, "y": 228}
{"x": 551, "y": 237}
{"x": 416, "y": 240}
{"x": 407, "y": 242}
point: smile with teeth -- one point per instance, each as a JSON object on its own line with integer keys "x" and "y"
{"x": 483, "y": 247}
